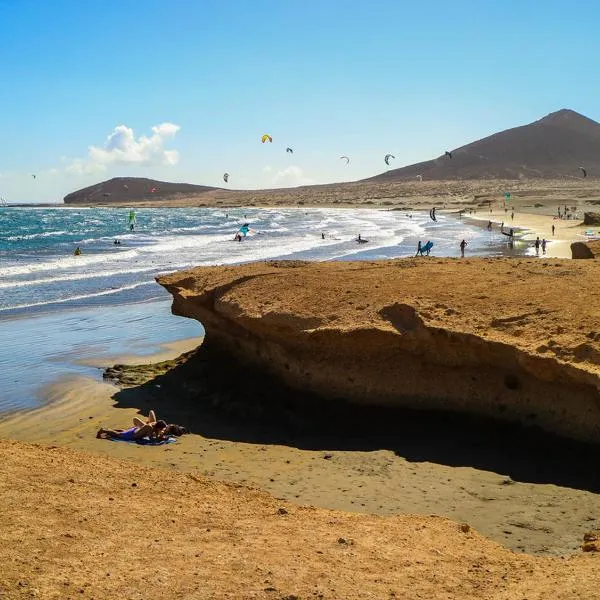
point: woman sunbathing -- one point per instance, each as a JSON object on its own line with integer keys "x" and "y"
{"x": 170, "y": 430}
{"x": 137, "y": 432}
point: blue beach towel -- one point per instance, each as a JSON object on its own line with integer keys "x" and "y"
{"x": 146, "y": 441}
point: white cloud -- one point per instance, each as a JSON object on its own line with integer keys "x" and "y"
{"x": 122, "y": 147}
{"x": 291, "y": 176}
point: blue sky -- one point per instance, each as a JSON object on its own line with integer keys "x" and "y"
{"x": 326, "y": 77}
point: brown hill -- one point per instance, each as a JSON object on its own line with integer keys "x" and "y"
{"x": 553, "y": 147}
{"x": 133, "y": 189}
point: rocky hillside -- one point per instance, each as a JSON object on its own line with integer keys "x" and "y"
{"x": 512, "y": 339}
{"x": 553, "y": 147}
{"x": 134, "y": 189}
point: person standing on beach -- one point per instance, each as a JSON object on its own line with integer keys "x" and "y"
{"x": 552, "y": 230}
{"x": 512, "y": 215}
{"x": 544, "y": 246}
{"x": 537, "y": 246}
{"x": 419, "y": 249}
{"x": 463, "y": 245}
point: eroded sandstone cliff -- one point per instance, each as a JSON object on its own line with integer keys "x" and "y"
{"x": 514, "y": 339}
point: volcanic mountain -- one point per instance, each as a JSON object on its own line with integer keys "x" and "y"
{"x": 553, "y": 147}
{"x": 133, "y": 189}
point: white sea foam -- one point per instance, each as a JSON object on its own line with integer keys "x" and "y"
{"x": 40, "y": 264}
{"x": 78, "y": 298}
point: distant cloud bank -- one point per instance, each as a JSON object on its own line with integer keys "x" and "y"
{"x": 122, "y": 147}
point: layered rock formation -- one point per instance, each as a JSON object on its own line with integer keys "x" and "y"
{"x": 512, "y": 339}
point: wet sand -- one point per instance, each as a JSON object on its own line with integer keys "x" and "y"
{"x": 528, "y": 493}
{"x": 536, "y": 225}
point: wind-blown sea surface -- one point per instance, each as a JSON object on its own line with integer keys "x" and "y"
{"x": 39, "y": 271}
{"x": 57, "y": 309}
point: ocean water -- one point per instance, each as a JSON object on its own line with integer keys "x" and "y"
{"x": 38, "y": 270}
{"x": 57, "y": 309}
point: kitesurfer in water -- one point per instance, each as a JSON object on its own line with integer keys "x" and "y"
{"x": 360, "y": 240}
{"x": 77, "y": 251}
{"x": 322, "y": 236}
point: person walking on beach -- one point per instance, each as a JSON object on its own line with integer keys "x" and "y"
{"x": 537, "y": 246}
{"x": 463, "y": 245}
{"x": 419, "y": 249}
{"x": 552, "y": 230}
{"x": 544, "y": 246}
{"x": 512, "y": 215}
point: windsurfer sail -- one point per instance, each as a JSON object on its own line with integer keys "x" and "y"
{"x": 131, "y": 220}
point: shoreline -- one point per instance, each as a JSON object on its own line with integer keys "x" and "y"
{"x": 524, "y": 516}
{"x": 532, "y": 225}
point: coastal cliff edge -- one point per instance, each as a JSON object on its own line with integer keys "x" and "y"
{"x": 517, "y": 340}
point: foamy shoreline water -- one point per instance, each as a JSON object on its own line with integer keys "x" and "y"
{"x": 39, "y": 272}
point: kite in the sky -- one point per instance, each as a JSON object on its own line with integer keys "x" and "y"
{"x": 225, "y": 177}
{"x": 266, "y": 138}
{"x": 583, "y": 171}
{"x": 387, "y": 158}
{"x": 289, "y": 151}
{"x": 448, "y": 154}
{"x": 345, "y": 158}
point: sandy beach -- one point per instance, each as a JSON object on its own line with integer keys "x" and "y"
{"x": 465, "y": 469}
{"x": 566, "y": 231}
{"x": 92, "y": 526}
